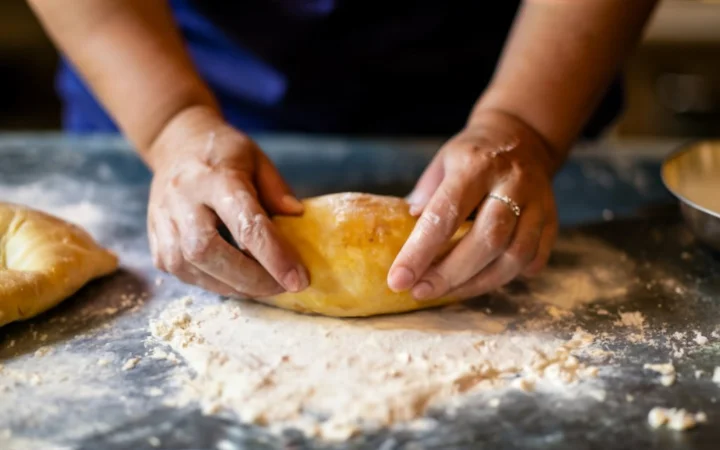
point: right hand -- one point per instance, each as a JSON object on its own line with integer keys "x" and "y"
{"x": 206, "y": 173}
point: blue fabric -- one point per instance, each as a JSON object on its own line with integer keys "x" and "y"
{"x": 408, "y": 67}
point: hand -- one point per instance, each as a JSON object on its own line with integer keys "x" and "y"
{"x": 495, "y": 154}
{"x": 206, "y": 174}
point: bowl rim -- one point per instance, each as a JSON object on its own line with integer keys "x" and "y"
{"x": 677, "y": 153}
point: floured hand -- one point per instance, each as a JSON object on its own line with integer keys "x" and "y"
{"x": 207, "y": 174}
{"x": 500, "y": 167}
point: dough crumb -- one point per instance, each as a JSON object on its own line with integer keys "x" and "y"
{"x": 155, "y": 392}
{"x": 524, "y": 384}
{"x": 599, "y": 394}
{"x": 494, "y": 402}
{"x": 131, "y": 363}
{"x": 102, "y": 362}
{"x": 667, "y": 372}
{"x": 154, "y": 441}
{"x": 631, "y": 319}
{"x": 42, "y": 351}
{"x": 716, "y": 375}
{"x": 663, "y": 369}
{"x": 675, "y": 419}
{"x": 700, "y": 339}
{"x": 629, "y": 398}
{"x": 35, "y": 379}
{"x": 667, "y": 380}
{"x": 699, "y": 373}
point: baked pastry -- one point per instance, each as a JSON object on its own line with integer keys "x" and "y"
{"x": 43, "y": 261}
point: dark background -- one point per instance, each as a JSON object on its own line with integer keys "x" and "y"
{"x": 673, "y": 79}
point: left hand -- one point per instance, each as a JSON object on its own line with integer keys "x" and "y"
{"x": 495, "y": 154}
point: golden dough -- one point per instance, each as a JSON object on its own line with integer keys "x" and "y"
{"x": 348, "y": 242}
{"x": 43, "y": 261}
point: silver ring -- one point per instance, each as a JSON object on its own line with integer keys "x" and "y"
{"x": 508, "y": 201}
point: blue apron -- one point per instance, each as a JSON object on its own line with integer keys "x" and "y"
{"x": 356, "y": 67}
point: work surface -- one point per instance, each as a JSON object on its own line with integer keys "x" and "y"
{"x": 611, "y": 194}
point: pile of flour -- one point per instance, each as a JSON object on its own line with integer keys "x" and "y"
{"x": 332, "y": 377}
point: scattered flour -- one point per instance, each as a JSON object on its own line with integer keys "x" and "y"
{"x": 330, "y": 378}
{"x": 605, "y": 274}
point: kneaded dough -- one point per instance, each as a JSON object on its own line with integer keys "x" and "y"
{"x": 348, "y": 242}
{"x": 43, "y": 261}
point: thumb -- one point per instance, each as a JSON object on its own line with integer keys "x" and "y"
{"x": 426, "y": 186}
{"x": 275, "y": 194}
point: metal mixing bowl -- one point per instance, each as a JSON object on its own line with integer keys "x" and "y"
{"x": 690, "y": 174}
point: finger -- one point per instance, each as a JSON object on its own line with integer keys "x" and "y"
{"x": 426, "y": 185}
{"x": 253, "y": 230}
{"x": 202, "y": 246}
{"x": 274, "y": 192}
{"x": 189, "y": 274}
{"x": 547, "y": 240}
{"x": 172, "y": 261}
{"x": 491, "y": 235}
{"x": 153, "y": 244}
{"x": 500, "y": 272}
{"x": 449, "y": 206}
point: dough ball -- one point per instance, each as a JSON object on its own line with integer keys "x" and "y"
{"x": 348, "y": 242}
{"x": 43, "y": 261}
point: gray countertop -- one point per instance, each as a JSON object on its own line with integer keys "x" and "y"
{"x": 65, "y": 399}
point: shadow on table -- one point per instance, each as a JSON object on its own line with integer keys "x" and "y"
{"x": 93, "y": 307}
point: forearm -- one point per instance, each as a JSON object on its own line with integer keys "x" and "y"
{"x": 558, "y": 62}
{"x": 132, "y": 56}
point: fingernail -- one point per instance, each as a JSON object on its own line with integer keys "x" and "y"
{"x": 295, "y": 280}
{"x": 292, "y": 281}
{"x": 400, "y": 279}
{"x": 411, "y": 198}
{"x": 422, "y": 291}
{"x": 415, "y": 210}
{"x": 292, "y": 203}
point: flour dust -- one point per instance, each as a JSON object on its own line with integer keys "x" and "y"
{"x": 331, "y": 378}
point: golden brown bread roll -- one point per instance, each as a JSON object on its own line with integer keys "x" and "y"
{"x": 43, "y": 261}
{"x": 348, "y": 242}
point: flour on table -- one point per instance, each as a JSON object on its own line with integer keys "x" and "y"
{"x": 331, "y": 377}
{"x": 334, "y": 377}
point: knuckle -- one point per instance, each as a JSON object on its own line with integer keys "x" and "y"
{"x": 521, "y": 253}
{"x": 173, "y": 264}
{"x": 157, "y": 261}
{"x": 496, "y": 235}
{"x": 196, "y": 248}
{"x": 252, "y": 230}
{"x": 440, "y": 281}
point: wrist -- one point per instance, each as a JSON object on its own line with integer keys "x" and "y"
{"x": 493, "y": 118}
{"x": 171, "y": 141}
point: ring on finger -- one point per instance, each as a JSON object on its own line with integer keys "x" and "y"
{"x": 514, "y": 207}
